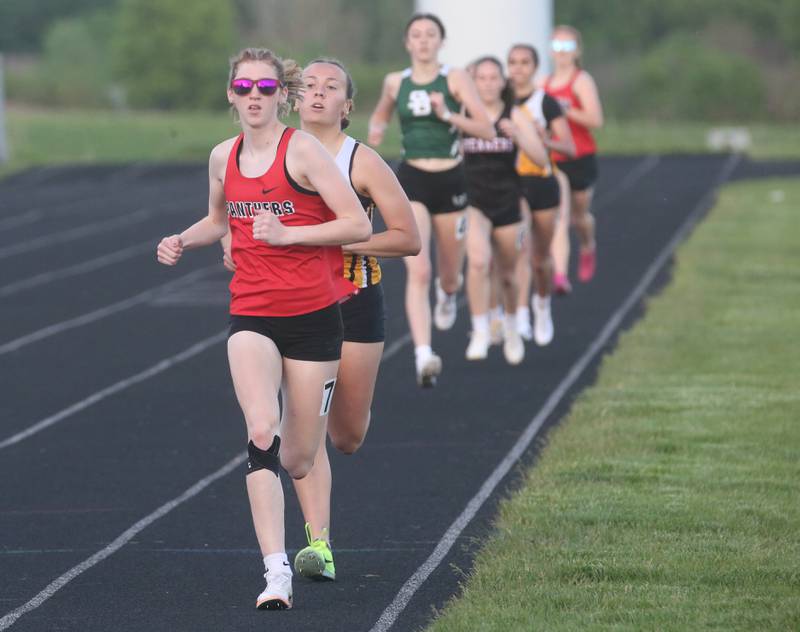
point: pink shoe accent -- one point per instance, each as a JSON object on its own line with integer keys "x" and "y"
{"x": 561, "y": 284}
{"x": 587, "y": 265}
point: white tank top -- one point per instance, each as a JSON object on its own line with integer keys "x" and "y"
{"x": 344, "y": 159}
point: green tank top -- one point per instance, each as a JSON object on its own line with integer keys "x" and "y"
{"x": 424, "y": 134}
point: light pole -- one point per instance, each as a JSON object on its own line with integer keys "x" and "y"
{"x": 477, "y": 28}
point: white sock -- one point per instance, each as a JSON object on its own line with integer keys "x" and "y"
{"x": 541, "y": 302}
{"x": 480, "y": 322}
{"x": 422, "y": 352}
{"x": 277, "y": 563}
{"x": 523, "y": 315}
{"x": 512, "y": 322}
{"x": 496, "y": 313}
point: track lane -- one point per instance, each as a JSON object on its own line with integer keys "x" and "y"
{"x": 435, "y": 430}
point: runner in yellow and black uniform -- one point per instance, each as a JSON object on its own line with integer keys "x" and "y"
{"x": 541, "y": 194}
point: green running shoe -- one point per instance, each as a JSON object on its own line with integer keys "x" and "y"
{"x": 316, "y": 560}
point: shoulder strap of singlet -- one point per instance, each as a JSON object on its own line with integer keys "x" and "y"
{"x": 574, "y": 77}
{"x": 344, "y": 158}
{"x": 534, "y": 105}
{"x": 283, "y": 147}
{"x": 283, "y": 143}
{"x": 233, "y": 156}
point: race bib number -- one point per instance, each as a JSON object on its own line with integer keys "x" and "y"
{"x": 327, "y": 396}
{"x": 461, "y": 222}
{"x": 419, "y": 103}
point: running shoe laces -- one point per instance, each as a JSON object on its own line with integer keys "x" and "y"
{"x": 316, "y": 560}
{"x": 513, "y": 347}
{"x": 446, "y": 308}
{"x": 478, "y": 347}
{"x": 428, "y": 369}
{"x": 542, "y": 320}
{"x": 278, "y": 593}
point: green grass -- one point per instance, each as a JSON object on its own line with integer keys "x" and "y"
{"x": 637, "y": 137}
{"x": 669, "y": 499}
{"x": 47, "y": 137}
{"x": 63, "y": 136}
{"x": 42, "y": 137}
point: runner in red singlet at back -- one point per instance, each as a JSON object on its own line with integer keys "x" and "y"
{"x": 576, "y": 91}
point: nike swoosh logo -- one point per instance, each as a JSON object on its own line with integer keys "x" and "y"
{"x": 265, "y": 191}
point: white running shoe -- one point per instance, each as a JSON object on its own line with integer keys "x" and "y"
{"x": 513, "y": 347}
{"x": 523, "y": 329}
{"x": 542, "y": 320}
{"x": 446, "y": 309}
{"x": 428, "y": 369}
{"x": 478, "y": 347}
{"x": 496, "y": 331}
{"x": 278, "y": 593}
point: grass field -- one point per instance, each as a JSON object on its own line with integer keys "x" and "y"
{"x": 669, "y": 498}
{"x": 43, "y": 137}
{"x": 39, "y": 137}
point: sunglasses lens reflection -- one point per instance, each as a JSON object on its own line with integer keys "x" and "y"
{"x": 244, "y": 87}
{"x": 563, "y": 46}
{"x": 267, "y": 86}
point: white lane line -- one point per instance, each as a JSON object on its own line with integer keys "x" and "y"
{"x": 51, "y": 589}
{"x": 59, "y": 583}
{"x": 401, "y": 600}
{"x": 79, "y": 268}
{"x": 394, "y": 347}
{"x": 161, "y": 366}
{"x": 639, "y": 170}
{"x": 20, "y": 220}
{"x": 102, "y": 394}
{"x": 78, "y": 232}
{"x": 68, "y": 207}
{"x": 108, "y": 310}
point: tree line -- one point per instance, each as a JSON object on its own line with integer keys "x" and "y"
{"x": 716, "y": 60}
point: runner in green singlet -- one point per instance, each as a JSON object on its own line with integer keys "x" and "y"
{"x": 428, "y": 97}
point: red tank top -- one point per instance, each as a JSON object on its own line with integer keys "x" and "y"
{"x": 584, "y": 141}
{"x": 278, "y": 280}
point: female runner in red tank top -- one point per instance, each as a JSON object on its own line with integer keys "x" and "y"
{"x": 286, "y": 205}
{"x": 575, "y": 89}
{"x": 324, "y": 112}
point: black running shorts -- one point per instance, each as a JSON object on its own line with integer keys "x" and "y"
{"x": 581, "y": 172}
{"x": 316, "y": 336}
{"x": 439, "y": 191}
{"x": 504, "y": 216}
{"x": 542, "y": 193}
{"x": 364, "y": 315}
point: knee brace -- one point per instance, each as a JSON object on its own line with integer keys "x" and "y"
{"x": 268, "y": 459}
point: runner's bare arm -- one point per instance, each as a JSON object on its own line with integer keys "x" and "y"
{"x": 590, "y": 114}
{"x": 215, "y": 224}
{"x": 561, "y": 138}
{"x": 463, "y": 89}
{"x": 526, "y": 137}
{"x": 312, "y": 167}
{"x": 374, "y": 178}
{"x": 382, "y": 113}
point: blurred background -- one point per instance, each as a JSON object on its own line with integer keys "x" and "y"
{"x": 118, "y": 80}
